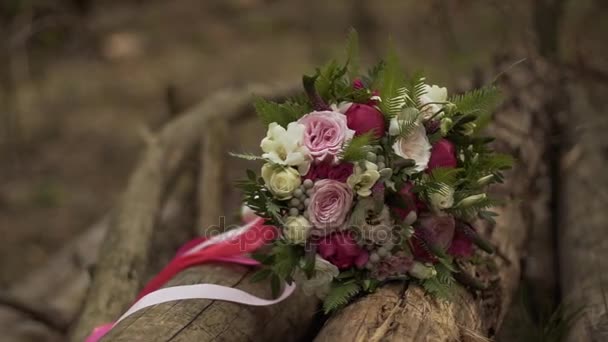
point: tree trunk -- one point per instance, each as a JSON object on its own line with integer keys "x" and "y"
{"x": 583, "y": 235}
{"x": 398, "y": 312}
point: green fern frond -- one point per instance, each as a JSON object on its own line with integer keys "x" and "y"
{"x": 281, "y": 113}
{"x": 445, "y": 175}
{"x": 339, "y": 295}
{"x": 416, "y": 88}
{"x": 354, "y": 150}
{"x": 373, "y": 77}
{"x": 481, "y": 102}
{"x": 392, "y": 78}
{"x": 395, "y": 104}
{"x": 352, "y": 54}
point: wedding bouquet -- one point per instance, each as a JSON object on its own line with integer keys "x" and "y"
{"x": 372, "y": 178}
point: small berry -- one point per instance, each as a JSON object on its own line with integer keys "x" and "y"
{"x": 308, "y": 183}
{"x": 298, "y": 192}
{"x": 294, "y": 212}
{"x": 294, "y": 202}
{"x": 374, "y": 257}
{"x": 371, "y": 156}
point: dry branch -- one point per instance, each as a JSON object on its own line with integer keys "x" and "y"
{"x": 398, "y": 313}
{"x": 211, "y": 173}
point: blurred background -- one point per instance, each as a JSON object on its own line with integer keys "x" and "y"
{"x": 79, "y": 79}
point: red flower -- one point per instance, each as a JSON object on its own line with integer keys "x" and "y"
{"x": 342, "y": 250}
{"x": 462, "y": 246}
{"x": 410, "y": 200}
{"x": 363, "y": 118}
{"x": 419, "y": 251}
{"x": 443, "y": 154}
{"x": 338, "y": 172}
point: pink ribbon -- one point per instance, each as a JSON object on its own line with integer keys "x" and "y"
{"x": 227, "y": 247}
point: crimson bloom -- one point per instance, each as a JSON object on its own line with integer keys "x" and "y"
{"x": 363, "y": 118}
{"x": 443, "y": 154}
{"x": 338, "y": 172}
{"x": 342, "y": 250}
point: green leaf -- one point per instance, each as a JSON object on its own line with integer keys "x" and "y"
{"x": 261, "y": 275}
{"x": 275, "y": 285}
{"x": 481, "y": 102}
{"x": 330, "y": 81}
{"x": 354, "y": 149}
{"x": 373, "y": 78}
{"x": 442, "y": 285}
{"x": 286, "y": 259}
{"x": 281, "y": 113}
{"x": 415, "y": 88}
{"x": 339, "y": 295}
{"x": 352, "y": 54}
{"x": 392, "y": 79}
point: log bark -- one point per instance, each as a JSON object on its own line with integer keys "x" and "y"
{"x": 398, "y": 312}
{"x": 207, "y": 320}
{"x": 583, "y": 240}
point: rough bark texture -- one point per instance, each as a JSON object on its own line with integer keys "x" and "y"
{"x": 583, "y": 229}
{"x": 398, "y": 313}
{"x": 207, "y": 320}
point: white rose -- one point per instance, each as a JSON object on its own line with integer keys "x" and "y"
{"x": 296, "y": 229}
{"x": 432, "y": 94}
{"x": 284, "y": 146}
{"x": 442, "y": 200}
{"x": 363, "y": 179}
{"x": 281, "y": 181}
{"x": 415, "y": 146}
{"x": 320, "y": 283}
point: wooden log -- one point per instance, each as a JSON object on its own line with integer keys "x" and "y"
{"x": 207, "y": 320}
{"x": 125, "y": 252}
{"x": 398, "y": 312}
{"x": 583, "y": 242}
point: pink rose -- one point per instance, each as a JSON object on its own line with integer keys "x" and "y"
{"x": 329, "y": 204}
{"x": 338, "y": 172}
{"x": 342, "y": 250}
{"x": 443, "y": 154}
{"x": 324, "y": 135}
{"x": 364, "y": 118}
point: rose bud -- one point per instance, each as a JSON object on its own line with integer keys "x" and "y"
{"x": 422, "y": 271}
{"x": 363, "y": 118}
{"x": 443, "y": 154}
